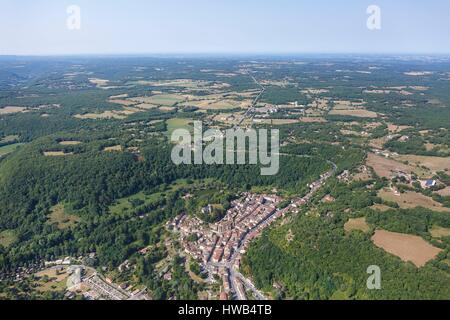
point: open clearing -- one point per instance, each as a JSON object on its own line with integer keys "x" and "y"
{"x": 350, "y": 133}
{"x": 166, "y": 109}
{"x": 418, "y": 73}
{"x": 359, "y": 113}
{"x": 100, "y": 83}
{"x": 439, "y": 232}
{"x": 362, "y": 176}
{"x": 411, "y": 199}
{"x": 179, "y": 83}
{"x": 125, "y": 204}
{"x": 347, "y": 104}
{"x": 119, "y": 96}
{"x": 357, "y": 224}
{"x": 51, "y": 280}
{"x": 61, "y": 219}
{"x": 9, "y": 148}
{"x": 406, "y": 247}
{"x": 103, "y": 115}
{"x": 177, "y": 123}
{"x": 225, "y": 105}
{"x": 7, "y": 238}
{"x": 444, "y": 192}
{"x": 57, "y": 153}
{"x": 128, "y": 111}
{"x": 118, "y": 114}
{"x": 9, "y": 139}
{"x": 379, "y": 143}
{"x": 201, "y": 102}
{"x": 438, "y": 147}
{"x": 393, "y": 128}
{"x": 385, "y": 167}
{"x": 122, "y": 102}
{"x": 11, "y": 110}
{"x": 231, "y": 118}
{"x": 146, "y": 106}
{"x": 435, "y": 164}
{"x": 313, "y": 120}
{"x": 230, "y": 104}
{"x": 168, "y": 100}
{"x": 117, "y": 148}
{"x": 380, "y": 207}
{"x": 129, "y": 107}
{"x": 69, "y": 143}
{"x": 314, "y": 91}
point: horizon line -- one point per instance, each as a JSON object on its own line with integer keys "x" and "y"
{"x": 199, "y": 53}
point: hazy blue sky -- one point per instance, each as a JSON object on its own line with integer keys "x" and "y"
{"x": 223, "y": 26}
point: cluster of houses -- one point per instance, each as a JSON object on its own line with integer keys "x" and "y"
{"x": 219, "y": 246}
{"x": 385, "y": 153}
{"x": 409, "y": 178}
{"x": 218, "y": 241}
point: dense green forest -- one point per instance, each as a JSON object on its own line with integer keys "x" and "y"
{"x": 32, "y": 183}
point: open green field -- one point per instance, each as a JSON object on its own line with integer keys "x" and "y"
{"x": 263, "y": 189}
{"x": 59, "y": 217}
{"x": 9, "y": 148}
{"x": 7, "y": 237}
{"x": 412, "y": 200}
{"x": 174, "y": 124}
{"x": 142, "y": 199}
{"x": 165, "y": 99}
{"x": 125, "y": 204}
{"x": 51, "y": 280}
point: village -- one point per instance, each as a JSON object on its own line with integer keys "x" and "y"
{"x": 219, "y": 246}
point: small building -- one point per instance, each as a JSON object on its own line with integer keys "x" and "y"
{"x": 428, "y": 183}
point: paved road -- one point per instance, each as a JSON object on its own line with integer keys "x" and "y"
{"x": 251, "y": 110}
{"x": 240, "y": 295}
{"x": 250, "y": 286}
